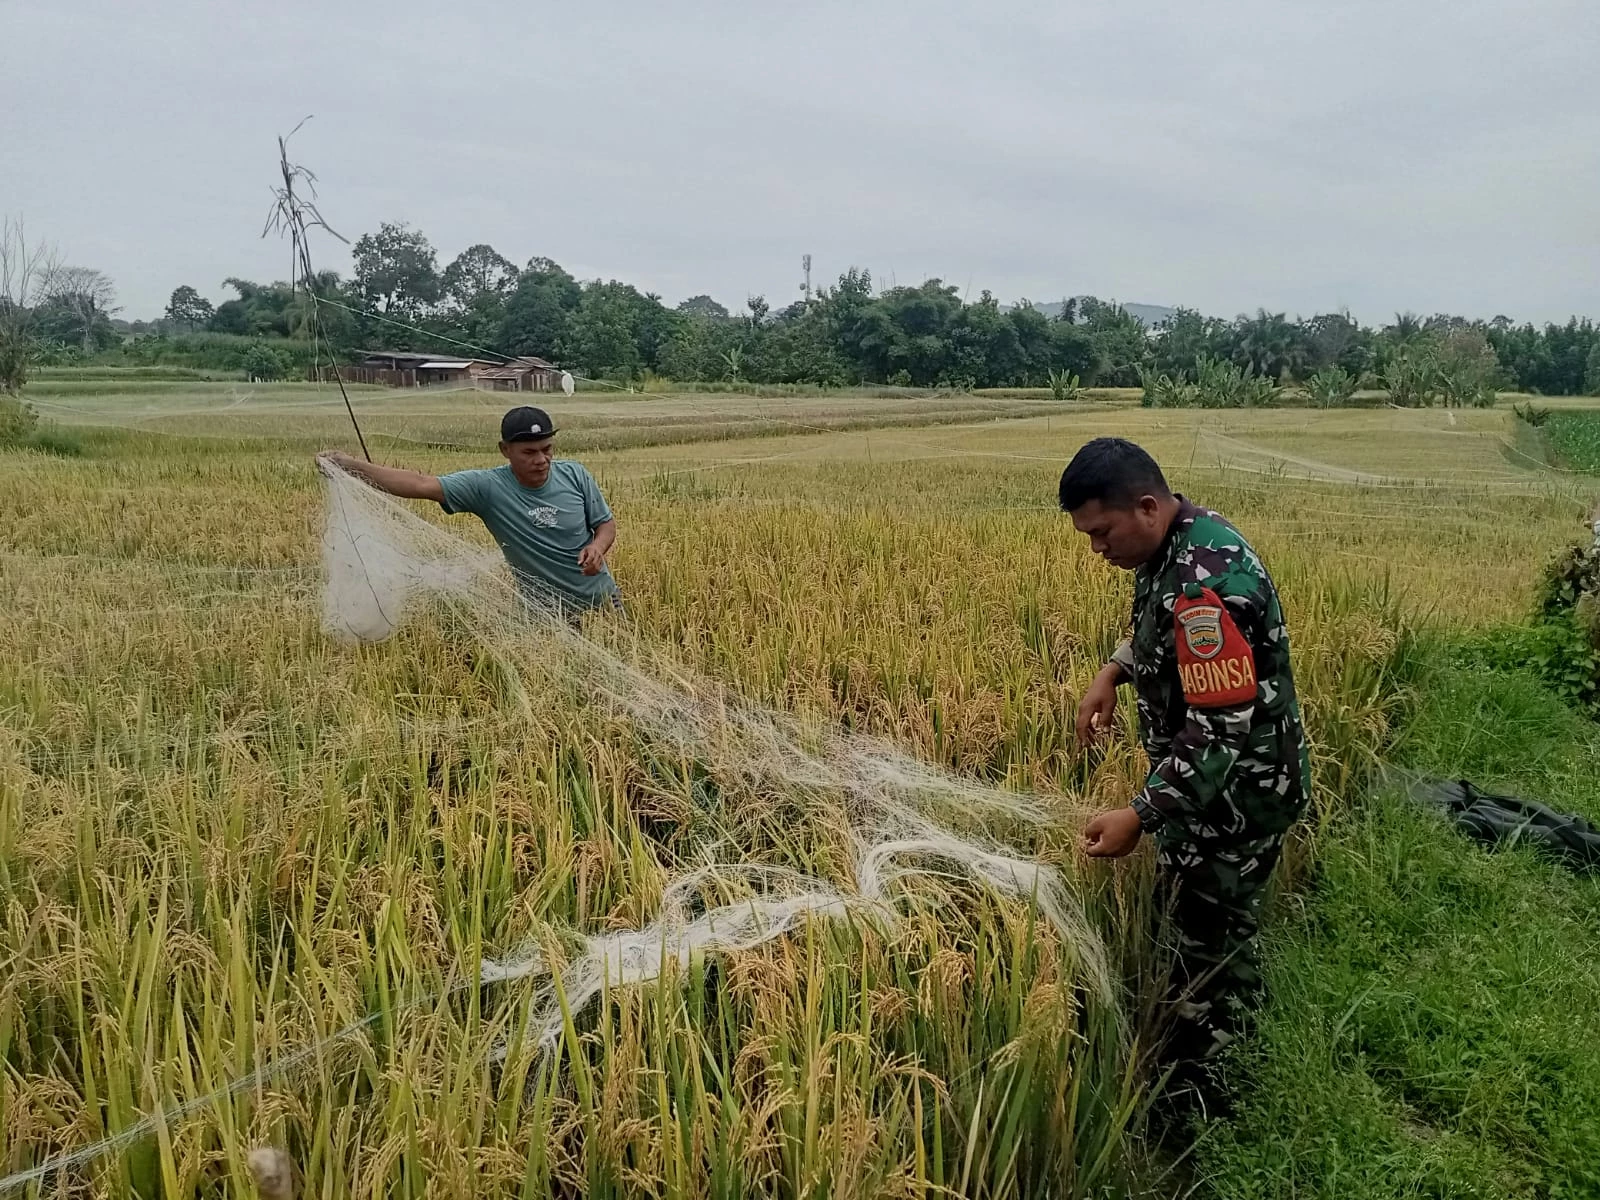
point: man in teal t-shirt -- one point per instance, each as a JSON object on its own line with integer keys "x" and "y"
{"x": 547, "y": 514}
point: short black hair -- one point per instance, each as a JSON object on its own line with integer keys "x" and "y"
{"x": 1113, "y": 471}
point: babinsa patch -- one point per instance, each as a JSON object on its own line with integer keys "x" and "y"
{"x": 1215, "y": 662}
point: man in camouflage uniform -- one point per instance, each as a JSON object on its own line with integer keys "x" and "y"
{"x": 1229, "y": 765}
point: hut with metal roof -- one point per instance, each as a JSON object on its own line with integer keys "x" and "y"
{"x": 406, "y": 369}
{"x": 525, "y": 374}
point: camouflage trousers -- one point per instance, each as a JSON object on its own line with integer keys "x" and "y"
{"x": 1208, "y": 913}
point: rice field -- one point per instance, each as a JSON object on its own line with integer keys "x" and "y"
{"x": 228, "y": 842}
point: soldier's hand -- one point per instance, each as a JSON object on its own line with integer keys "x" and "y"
{"x": 1098, "y": 708}
{"x": 1112, "y": 834}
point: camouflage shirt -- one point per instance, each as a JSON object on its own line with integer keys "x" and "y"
{"x": 1209, "y": 659}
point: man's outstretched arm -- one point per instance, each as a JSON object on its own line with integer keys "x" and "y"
{"x": 397, "y": 481}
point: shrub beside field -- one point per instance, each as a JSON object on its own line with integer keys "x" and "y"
{"x": 216, "y": 352}
{"x": 21, "y": 429}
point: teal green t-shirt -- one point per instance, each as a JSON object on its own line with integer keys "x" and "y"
{"x": 540, "y": 530}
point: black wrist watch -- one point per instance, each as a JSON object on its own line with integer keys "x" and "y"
{"x": 1151, "y": 818}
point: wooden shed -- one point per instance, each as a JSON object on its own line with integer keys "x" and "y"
{"x": 525, "y": 374}
{"x": 404, "y": 369}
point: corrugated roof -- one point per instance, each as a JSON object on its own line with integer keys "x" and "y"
{"x": 517, "y": 368}
{"x": 445, "y": 364}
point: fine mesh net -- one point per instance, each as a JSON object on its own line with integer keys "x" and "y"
{"x": 909, "y": 829}
{"x": 901, "y": 817}
{"x": 373, "y": 574}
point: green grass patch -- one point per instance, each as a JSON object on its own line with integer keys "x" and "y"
{"x": 53, "y": 439}
{"x": 120, "y": 374}
{"x": 1433, "y": 1005}
{"x": 1574, "y": 438}
{"x": 130, "y": 385}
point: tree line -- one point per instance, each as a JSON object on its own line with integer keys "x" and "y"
{"x": 398, "y": 297}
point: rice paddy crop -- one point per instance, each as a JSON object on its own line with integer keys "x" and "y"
{"x": 226, "y": 840}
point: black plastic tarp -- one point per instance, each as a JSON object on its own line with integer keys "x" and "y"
{"x": 1507, "y": 820}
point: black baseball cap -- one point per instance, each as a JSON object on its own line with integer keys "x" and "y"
{"x": 526, "y": 424}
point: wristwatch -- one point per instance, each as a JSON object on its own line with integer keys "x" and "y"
{"x": 1151, "y": 818}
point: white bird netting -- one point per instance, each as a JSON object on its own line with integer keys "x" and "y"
{"x": 905, "y": 816}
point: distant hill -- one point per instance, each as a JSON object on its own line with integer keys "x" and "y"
{"x": 1150, "y": 315}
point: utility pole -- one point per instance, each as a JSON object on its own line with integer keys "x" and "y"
{"x": 805, "y": 288}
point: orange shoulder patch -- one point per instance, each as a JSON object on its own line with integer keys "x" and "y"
{"x": 1215, "y": 662}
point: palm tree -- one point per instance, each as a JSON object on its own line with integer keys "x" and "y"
{"x": 1270, "y": 344}
{"x": 1407, "y": 327}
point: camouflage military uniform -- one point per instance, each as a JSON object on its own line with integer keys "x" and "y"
{"x": 1230, "y": 768}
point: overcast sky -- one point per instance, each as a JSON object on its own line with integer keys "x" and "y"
{"x": 1300, "y": 155}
